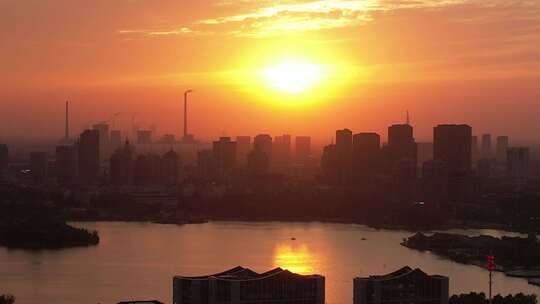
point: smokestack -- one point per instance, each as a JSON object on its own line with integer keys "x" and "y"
{"x": 67, "y": 121}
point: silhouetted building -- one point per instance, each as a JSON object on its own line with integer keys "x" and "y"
{"x": 141, "y": 302}
{"x": 405, "y": 285}
{"x": 404, "y": 182}
{"x": 89, "y": 156}
{"x": 330, "y": 164}
{"x": 170, "y": 167}
{"x": 66, "y": 164}
{"x": 167, "y": 139}
{"x": 39, "y": 166}
{"x": 452, "y": 145}
{"x": 517, "y": 162}
{"x": 241, "y": 285}
{"x": 258, "y": 162}
{"x": 366, "y": 154}
{"x": 4, "y": 161}
{"x": 344, "y": 151}
{"x": 144, "y": 137}
{"x": 486, "y": 146}
{"x": 142, "y": 172}
{"x": 206, "y": 164}
{"x": 401, "y": 144}
{"x": 116, "y": 139}
{"x": 474, "y": 148}
{"x": 103, "y": 130}
{"x": 502, "y": 146}
{"x": 243, "y": 146}
{"x": 121, "y": 166}
{"x": 435, "y": 183}
{"x": 303, "y": 149}
{"x": 263, "y": 142}
{"x": 281, "y": 153}
{"x": 224, "y": 154}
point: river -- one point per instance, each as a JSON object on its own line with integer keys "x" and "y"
{"x": 138, "y": 260}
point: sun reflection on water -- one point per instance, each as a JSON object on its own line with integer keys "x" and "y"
{"x": 295, "y": 258}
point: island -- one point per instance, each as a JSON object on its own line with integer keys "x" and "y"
{"x": 515, "y": 256}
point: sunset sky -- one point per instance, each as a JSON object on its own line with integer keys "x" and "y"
{"x": 446, "y": 61}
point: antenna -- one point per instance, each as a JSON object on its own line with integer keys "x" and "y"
{"x": 185, "y": 112}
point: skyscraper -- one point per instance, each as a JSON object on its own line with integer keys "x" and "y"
{"x": 502, "y": 146}
{"x": 89, "y": 160}
{"x": 401, "y": 143}
{"x": 263, "y": 142}
{"x": 486, "y": 146}
{"x": 366, "y": 154}
{"x": 243, "y": 146}
{"x": 344, "y": 154}
{"x": 170, "y": 166}
{"x": 452, "y": 145}
{"x": 303, "y": 149}
{"x": 224, "y": 153}
{"x": 282, "y": 149}
{"x": 103, "y": 129}
{"x": 144, "y": 137}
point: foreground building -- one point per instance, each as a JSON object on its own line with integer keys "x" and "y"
{"x": 244, "y": 286}
{"x": 405, "y": 285}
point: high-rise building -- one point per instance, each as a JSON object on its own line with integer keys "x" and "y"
{"x": 435, "y": 183}
{"x": 167, "y": 139}
{"x": 502, "y": 146}
{"x": 89, "y": 159}
{"x": 401, "y": 144}
{"x": 366, "y": 154}
{"x": 405, "y": 285}
{"x": 281, "y": 152}
{"x": 241, "y": 285}
{"x": 424, "y": 152}
{"x": 303, "y": 149}
{"x": 4, "y": 161}
{"x": 330, "y": 164}
{"x": 39, "y": 166}
{"x": 103, "y": 130}
{"x": 66, "y": 164}
{"x": 452, "y": 145}
{"x": 344, "y": 151}
{"x": 144, "y": 137}
{"x": 116, "y": 139}
{"x": 517, "y": 162}
{"x": 486, "y": 146}
{"x": 142, "y": 171}
{"x": 170, "y": 167}
{"x": 258, "y": 162}
{"x": 224, "y": 154}
{"x": 263, "y": 142}
{"x": 243, "y": 146}
{"x": 206, "y": 164}
{"x": 121, "y": 166}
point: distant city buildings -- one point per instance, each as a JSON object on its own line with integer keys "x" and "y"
{"x": 89, "y": 156}
{"x": 39, "y": 166}
{"x": 243, "y": 147}
{"x": 241, "y": 285}
{"x": 452, "y": 146}
{"x": 405, "y": 285}
{"x": 144, "y": 137}
{"x": 486, "y": 146}
{"x": 4, "y": 161}
{"x": 502, "y": 146}
{"x": 517, "y": 162}
{"x": 224, "y": 154}
{"x": 303, "y": 149}
{"x": 66, "y": 164}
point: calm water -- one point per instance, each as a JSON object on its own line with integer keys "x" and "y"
{"x": 138, "y": 260}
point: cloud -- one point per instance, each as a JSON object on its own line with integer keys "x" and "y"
{"x": 261, "y": 18}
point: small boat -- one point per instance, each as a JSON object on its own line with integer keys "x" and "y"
{"x": 293, "y": 239}
{"x": 363, "y": 239}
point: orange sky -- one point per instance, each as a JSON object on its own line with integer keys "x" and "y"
{"x": 471, "y": 61}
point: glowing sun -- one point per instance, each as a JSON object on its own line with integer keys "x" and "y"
{"x": 292, "y": 76}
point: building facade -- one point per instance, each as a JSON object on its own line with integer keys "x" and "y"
{"x": 404, "y": 286}
{"x": 244, "y": 286}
